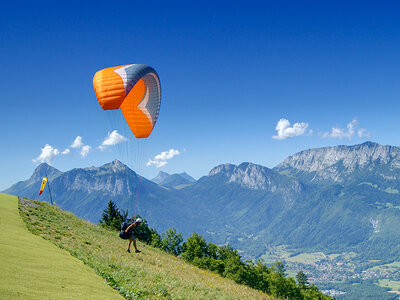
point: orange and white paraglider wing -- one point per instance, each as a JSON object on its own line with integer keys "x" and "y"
{"x": 136, "y": 90}
{"x": 44, "y": 181}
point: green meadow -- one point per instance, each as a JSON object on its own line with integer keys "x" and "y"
{"x": 307, "y": 258}
{"x": 393, "y": 285}
{"x": 33, "y": 268}
{"x": 394, "y": 266}
{"x": 84, "y": 247}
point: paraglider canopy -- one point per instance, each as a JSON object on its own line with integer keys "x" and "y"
{"x": 135, "y": 89}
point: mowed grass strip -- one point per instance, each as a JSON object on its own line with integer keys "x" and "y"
{"x": 33, "y": 268}
{"x": 152, "y": 274}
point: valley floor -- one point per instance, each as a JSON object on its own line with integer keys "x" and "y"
{"x": 341, "y": 275}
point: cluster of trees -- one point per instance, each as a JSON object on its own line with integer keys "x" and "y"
{"x": 220, "y": 259}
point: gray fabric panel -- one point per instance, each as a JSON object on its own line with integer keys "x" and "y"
{"x": 134, "y": 73}
{"x": 153, "y": 105}
{"x": 152, "y": 82}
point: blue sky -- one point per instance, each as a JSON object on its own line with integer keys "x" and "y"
{"x": 230, "y": 71}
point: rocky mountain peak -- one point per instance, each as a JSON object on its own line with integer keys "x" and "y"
{"x": 252, "y": 176}
{"x": 248, "y": 175}
{"x": 160, "y": 177}
{"x": 44, "y": 170}
{"x": 187, "y": 177}
{"x": 115, "y": 166}
{"x": 225, "y": 169}
{"x": 369, "y": 144}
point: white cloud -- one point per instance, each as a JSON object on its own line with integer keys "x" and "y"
{"x": 157, "y": 163}
{"x": 349, "y": 132}
{"x": 285, "y": 131}
{"x": 77, "y": 142}
{"x": 47, "y": 154}
{"x": 160, "y": 160}
{"x": 85, "y": 150}
{"x": 66, "y": 151}
{"x": 166, "y": 154}
{"x": 112, "y": 139}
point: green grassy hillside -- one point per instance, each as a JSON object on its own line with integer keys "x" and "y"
{"x": 152, "y": 274}
{"x": 32, "y": 268}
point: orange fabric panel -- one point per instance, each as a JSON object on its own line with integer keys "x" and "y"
{"x": 136, "y": 119}
{"x": 109, "y": 88}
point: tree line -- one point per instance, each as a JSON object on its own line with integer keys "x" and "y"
{"x": 223, "y": 260}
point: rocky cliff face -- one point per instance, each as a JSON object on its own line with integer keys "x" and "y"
{"x": 255, "y": 177}
{"x": 113, "y": 179}
{"x": 339, "y": 162}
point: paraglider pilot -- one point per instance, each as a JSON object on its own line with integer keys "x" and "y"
{"x": 129, "y": 232}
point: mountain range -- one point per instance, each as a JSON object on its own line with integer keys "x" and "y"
{"x": 174, "y": 180}
{"x": 340, "y": 198}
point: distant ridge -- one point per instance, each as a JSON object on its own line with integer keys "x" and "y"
{"x": 174, "y": 180}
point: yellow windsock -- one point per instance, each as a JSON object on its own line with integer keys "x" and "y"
{"x": 44, "y": 181}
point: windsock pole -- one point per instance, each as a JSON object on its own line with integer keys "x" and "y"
{"x": 48, "y": 185}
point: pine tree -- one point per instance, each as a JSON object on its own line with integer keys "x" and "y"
{"x": 112, "y": 217}
{"x": 302, "y": 280}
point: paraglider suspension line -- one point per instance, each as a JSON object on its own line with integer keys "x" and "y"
{"x": 138, "y": 186}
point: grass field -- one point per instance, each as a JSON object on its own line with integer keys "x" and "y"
{"x": 152, "y": 274}
{"x": 307, "y": 258}
{"x": 283, "y": 254}
{"x": 33, "y": 268}
{"x": 392, "y": 267}
{"x": 393, "y": 285}
{"x": 279, "y": 253}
